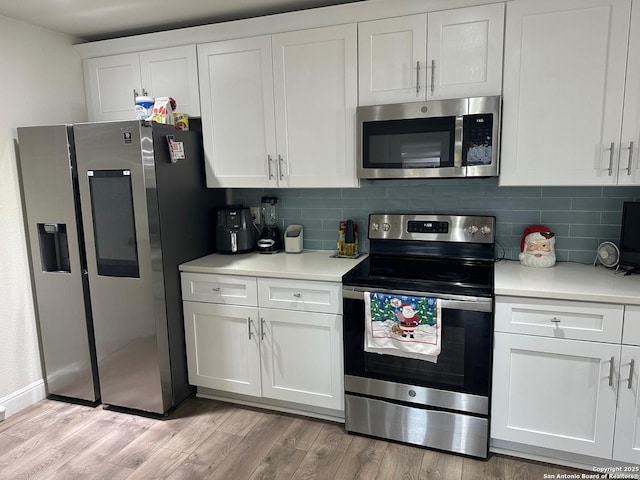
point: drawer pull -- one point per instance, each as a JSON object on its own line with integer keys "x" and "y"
{"x": 249, "y": 327}
{"x": 631, "y": 368}
{"x": 611, "y": 372}
{"x": 297, "y": 295}
{"x": 555, "y": 320}
{"x": 216, "y": 289}
{"x": 261, "y": 328}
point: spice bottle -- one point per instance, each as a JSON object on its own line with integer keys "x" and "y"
{"x": 350, "y": 246}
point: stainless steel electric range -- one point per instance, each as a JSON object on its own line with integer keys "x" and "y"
{"x": 442, "y": 405}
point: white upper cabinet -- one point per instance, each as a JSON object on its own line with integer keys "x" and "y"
{"x": 316, "y": 95}
{"x": 629, "y": 164}
{"x": 279, "y": 110}
{"x": 391, "y": 53}
{"x": 172, "y": 72}
{"x": 446, "y": 54}
{"x": 564, "y": 87}
{"x": 238, "y": 119}
{"x": 464, "y": 52}
{"x": 113, "y": 82}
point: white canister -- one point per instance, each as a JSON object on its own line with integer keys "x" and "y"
{"x": 144, "y": 107}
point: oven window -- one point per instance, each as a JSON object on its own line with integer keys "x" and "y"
{"x": 464, "y": 364}
{"x": 451, "y": 363}
{"x": 414, "y": 143}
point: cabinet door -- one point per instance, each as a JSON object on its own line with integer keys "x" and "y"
{"x": 564, "y": 75}
{"x": 391, "y": 55}
{"x": 626, "y": 445}
{"x": 223, "y": 349}
{"x": 302, "y": 357}
{"x": 112, "y": 84}
{"x": 238, "y": 123}
{"x": 558, "y": 394}
{"x": 315, "y": 89}
{"x": 464, "y": 52}
{"x": 629, "y": 165}
{"x": 172, "y": 72}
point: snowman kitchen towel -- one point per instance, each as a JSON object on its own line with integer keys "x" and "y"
{"x": 403, "y": 326}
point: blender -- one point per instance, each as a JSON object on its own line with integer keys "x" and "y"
{"x": 270, "y": 240}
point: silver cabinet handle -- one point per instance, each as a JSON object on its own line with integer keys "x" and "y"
{"x": 418, "y": 78}
{"x": 631, "y": 368}
{"x": 281, "y": 175}
{"x": 249, "y": 327}
{"x": 144, "y": 92}
{"x": 556, "y": 320}
{"x": 297, "y": 295}
{"x": 135, "y": 94}
{"x": 262, "y": 328}
{"x": 433, "y": 74}
{"x": 269, "y": 162}
{"x": 611, "y": 372}
{"x": 611, "y": 151}
{"x": 215, "y": 289}
{"x": 630, "y": 148}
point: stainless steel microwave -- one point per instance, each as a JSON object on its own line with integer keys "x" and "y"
{"x": 444, "y": 138}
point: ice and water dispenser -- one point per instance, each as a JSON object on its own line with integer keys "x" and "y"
{"x": 54, "y": 247}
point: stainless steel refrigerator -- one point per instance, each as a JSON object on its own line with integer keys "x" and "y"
{"x": 142, "y": 213}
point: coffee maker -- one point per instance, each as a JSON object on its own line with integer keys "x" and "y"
{"x": 270, "y": 240}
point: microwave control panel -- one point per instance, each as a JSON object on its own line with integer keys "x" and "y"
{"x": 478, "y": 139}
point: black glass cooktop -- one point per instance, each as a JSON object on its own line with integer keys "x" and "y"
{"x": 462, "y": 277}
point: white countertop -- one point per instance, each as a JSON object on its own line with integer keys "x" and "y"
{"x": 307, "y": 265}
{"x": 567, "y": 281}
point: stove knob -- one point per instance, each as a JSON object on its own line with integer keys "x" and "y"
{"x": 375, "y": 226}
{"x": 386, "y": 227}
{"x": 473, "y": 230}
{"x": 486, "y": 230}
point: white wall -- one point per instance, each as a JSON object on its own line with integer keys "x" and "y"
{"x": 41, "y": 83}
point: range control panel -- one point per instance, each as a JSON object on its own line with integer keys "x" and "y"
{"x": 442, "y": 228}
{"x": 414, "y": 226}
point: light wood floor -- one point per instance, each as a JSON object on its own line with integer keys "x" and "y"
{"x": 204, "y": 439}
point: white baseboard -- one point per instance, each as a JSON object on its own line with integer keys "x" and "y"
{"x": 23, "y": 398}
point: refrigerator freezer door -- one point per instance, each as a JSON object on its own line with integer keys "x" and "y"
{"x": 49, "y": 189}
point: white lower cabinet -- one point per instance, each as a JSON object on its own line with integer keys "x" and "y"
{"x": 223, "y": 349}
{"x": 626, "y": 445}
{"x": 565, "y": 379}
{"x": 291, "y": 354}
{"x": 302, "y": 357}
{"x": 552, "y": 393}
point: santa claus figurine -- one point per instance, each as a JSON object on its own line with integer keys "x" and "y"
{"x": 537, "y": 247}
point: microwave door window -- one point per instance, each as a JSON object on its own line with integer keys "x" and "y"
{"x": 409, "y": 144}
{"x": 416, "y": 151}
{"x": 113, "y": 223}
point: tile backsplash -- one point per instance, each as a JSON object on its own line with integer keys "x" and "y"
{"x": 581, "y": 217}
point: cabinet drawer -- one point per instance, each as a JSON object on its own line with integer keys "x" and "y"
{"x": 631, "y": 332}
{"x": 211, "y": 288}
{"x": 321, "y": 297}
{"x": 600, "y": 322}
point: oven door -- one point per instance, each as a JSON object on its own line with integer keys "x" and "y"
{"x": 461, "y": 378}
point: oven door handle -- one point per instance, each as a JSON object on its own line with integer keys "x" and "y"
{"x": 473, "y": 304}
